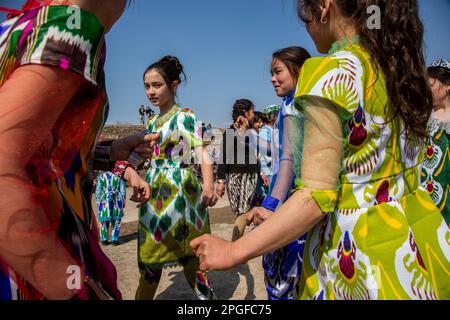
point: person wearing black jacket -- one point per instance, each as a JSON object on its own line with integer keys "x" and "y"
{"x": 238, "y": 169}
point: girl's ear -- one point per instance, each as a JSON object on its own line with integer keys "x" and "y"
{"x": 175, "y": 85}
{"x": 326, "y": 7}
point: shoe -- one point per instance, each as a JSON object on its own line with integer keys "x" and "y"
{"x": 115, "y": 243}
{"x": 105, "y": 243}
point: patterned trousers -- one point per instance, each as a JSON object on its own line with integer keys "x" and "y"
{"x": 116, "y": 224}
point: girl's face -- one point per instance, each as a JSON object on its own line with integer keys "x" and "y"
{"x": 157, "y": 90}
{"x": 282, "y": 80}
{"x": 250, "y": 115}
{"x": 439, "y": 91}
{"x": 257, "y": 125}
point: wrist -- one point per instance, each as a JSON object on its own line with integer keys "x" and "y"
{"x": 270, "y": 203}
{"x": 237, "y": 253}
{"x": 121, "y": 169}
{"x": 208, "y": 186}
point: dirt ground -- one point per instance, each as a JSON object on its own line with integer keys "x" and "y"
{"x": 244, "y": 282}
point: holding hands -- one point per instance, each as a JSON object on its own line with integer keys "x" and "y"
{"x": 214, "y": 253}
{"x": 257, "y": 215}
{"x": 220, "y": 189}
{"x": 208, "y": 198}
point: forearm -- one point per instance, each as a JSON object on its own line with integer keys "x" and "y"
{"x": 292, "y": 220}
{"x": 29, "y": 242}
{"x": 206, "y": 167}
{"x": 101, "y": 156}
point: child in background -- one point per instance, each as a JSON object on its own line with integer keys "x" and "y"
{"x": 265, "y": 153}
{"x": 110, "y": 195}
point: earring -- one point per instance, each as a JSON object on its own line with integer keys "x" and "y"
{"x": 324, "y": 20}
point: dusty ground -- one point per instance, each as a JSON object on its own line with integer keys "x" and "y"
{"x": 244, "y": 282}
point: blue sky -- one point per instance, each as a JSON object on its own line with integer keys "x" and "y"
{"x": 225, "y": 46}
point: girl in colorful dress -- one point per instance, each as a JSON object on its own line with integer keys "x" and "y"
{"x": 282, "y": 268}
{"x": 177, "y": 210}
{"x": 110, "y": 195}
{"x": 373, "y": 231}
{"x": 436, "y": 166}
{"x": 265, "y": 136}
{"x": 52, "y": 80}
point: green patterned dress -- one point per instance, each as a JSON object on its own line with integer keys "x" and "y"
{"x": 382, "y": 236}
{"x": 436, "y": 166}
{"x": 172, "y": 218}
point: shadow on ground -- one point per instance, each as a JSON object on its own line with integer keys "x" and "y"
{"x": 225, "y": 284}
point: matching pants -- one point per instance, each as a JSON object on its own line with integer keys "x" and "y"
{"x": 105, "y": 226}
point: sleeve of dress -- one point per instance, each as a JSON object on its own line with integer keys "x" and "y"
{"x": 327, "y": 96}
{"x": 284, "y": 177}
{"x": 101, "y": 156}
{"x": 189, "y": 131}
{"x": 189, "y": 128}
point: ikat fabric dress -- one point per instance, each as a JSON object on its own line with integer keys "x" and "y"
{"x": 59, "y": 171}
{"x": 436, "y": 166}
{"x": 172, "y": 217}
{"x": 382, "y": 237}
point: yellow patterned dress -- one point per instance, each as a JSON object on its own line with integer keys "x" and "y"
{"x": 382, "y": 236}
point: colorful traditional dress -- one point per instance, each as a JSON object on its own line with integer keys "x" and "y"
{"x": 282, "y": 268}
{"x": 436, "y": 166}
{"x": 382, "y": 236}
{"x": 265, "y": 160}
{"x": 59, "y": 171}
{"x": 172, "y": 217}
{"x": 110, "y": 195}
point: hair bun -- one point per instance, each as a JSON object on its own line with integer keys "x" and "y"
{"x": 174, "y": 61}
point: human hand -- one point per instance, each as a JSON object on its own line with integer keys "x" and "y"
{"x": 214, "y": 253}
{"x": 257, "y": 215}
{"x": 241, "y": 123}
{"x": 220, "y": 189}
{"x": 141, "y": 144}
{"x": 265, "y": 180}
{"x": 208, "y": 198}
{"x": 141, "y": 189}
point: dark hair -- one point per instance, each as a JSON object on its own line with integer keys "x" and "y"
{"x": 260, "y": 116}
{"x": 293, "y": 58}
{"x": 240, "y": 107}
{"x": 169, "y": 68}
{"x": 397, "y": 48}
{"x": 439, "y": 73}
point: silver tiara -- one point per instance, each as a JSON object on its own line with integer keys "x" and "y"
{"x": 441, "y": 63}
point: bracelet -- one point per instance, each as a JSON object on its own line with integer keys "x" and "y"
{"x": 120, "y": 167}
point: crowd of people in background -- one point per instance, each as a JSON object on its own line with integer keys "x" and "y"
{"x": 345, "y": 184}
